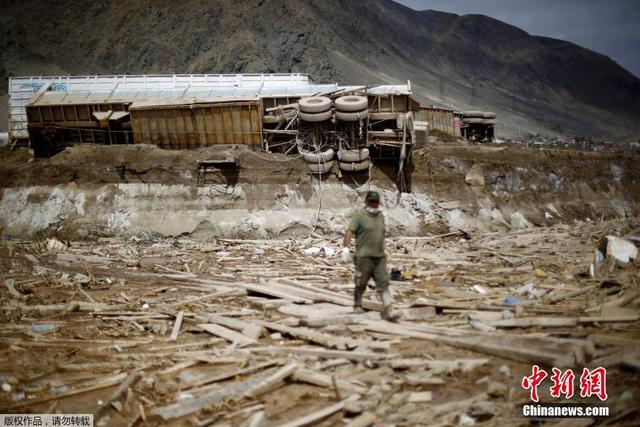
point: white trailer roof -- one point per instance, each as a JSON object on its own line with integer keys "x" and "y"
{"x": 22, "y": 89}
{"x": 105, "y": 89}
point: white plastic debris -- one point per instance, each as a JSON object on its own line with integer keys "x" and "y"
{"x": 82, "y": 279}
{"x": 481, "y": 326}
{"x": 479, "y": 289}
{"x": 547, "y": 215}
{"x": 466, "y": 420}
{"x": 55, "y": 245}
{"x": 621, "y": 249}
{"x": 328, "y": 251}
{"x": 145, "y": 306}
{"x": 314, "y": 250}
{"x": 526, "y": 289}
{"x": 507, "y": 314}
{"x": 6, "y": 387}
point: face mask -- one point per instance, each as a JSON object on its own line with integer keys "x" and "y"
{"x": 372, "y": 211}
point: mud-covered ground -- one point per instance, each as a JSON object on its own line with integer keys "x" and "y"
{"x": 97, "y": 191}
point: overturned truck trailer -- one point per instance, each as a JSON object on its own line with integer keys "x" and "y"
{"x": 333, "y": 127}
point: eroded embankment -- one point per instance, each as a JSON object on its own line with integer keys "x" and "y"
{"x": 92, "y": 191}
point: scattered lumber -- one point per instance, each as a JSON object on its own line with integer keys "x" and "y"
{"x": 528, "y": 322}
{"x": 227, "y": 334}
{"x": 528, "y": 350}
{"x": 463, "y": 365}
{"x": 271, "y": 381}
{"x": 325, "y": 340}
{"x": 324, "y": 380}
{"x": 322, "y": 353}
{"x": 316, "y": 416}
{"x": 189, "y": 406}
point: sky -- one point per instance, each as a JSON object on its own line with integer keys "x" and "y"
{"x": 611, "y": 27}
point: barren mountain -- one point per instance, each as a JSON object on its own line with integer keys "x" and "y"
{"x": 535, "y": 84}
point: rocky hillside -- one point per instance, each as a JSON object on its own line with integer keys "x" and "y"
{"x": 535, "y": 84}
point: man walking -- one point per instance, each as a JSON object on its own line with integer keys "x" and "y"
{"x": 370, "y": 260}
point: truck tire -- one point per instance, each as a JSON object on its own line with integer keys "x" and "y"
{"x": 352, "y": 103}
{"x": 312, "y": 157}
{"x": 474, "y": 113}
{"x": 355, "y": 166}
{"x": 489, "y": 115}
{"x": 473, "y": 121}
{"x": 314, "y": 117}
{"x": 319, "y": 168}
{"x": 314, "y": 104}
{"x": 352, "y": 117}
{"x": 353, "y": 155}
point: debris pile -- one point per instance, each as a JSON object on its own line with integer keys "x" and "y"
{"x": 257, "y": 332}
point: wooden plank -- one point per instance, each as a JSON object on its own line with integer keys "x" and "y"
{"x": 272, "y": 380}
{"x": 248, "y": 329}
{"x": 323, "y": 354}
{"x": 324, "y": 380}
{"x": 528, "y": 322}
{"x": 227, "y": 334}
{"x": 201, "y": 380}
{"x": 189, "y": 406}
{"x": 608, "y": 339}
{"x": 497, "y": 346}
{"x": 325, "y": 340}
{"x": 419, "y": 396}
{"x": 176, "y": 326}
{"x": 439, "y": 365}
{"x": 316, "y": 416}
{"x": 610, "y": 318}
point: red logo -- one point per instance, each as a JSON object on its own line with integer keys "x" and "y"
{"x": 562, "y": 383}
{"x": 531, "y": 383}
{"x": 592, "y": 383}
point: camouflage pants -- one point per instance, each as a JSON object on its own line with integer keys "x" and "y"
{"x": 366, "y": 268}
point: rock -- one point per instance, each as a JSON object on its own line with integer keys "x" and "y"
{"x": 475, "y": 176}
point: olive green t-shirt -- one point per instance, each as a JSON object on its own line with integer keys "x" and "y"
{"x": 369, "y": 231}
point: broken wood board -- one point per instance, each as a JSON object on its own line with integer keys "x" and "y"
{"x": 317, "y": 416}
{"x": 322, "y": 353}
{"x": 437, "y": 366}
{"x": 324, "y": 380}
{"x": 508, "y": 346}
{"x": 246, "y": 328}
{"x": 309, "y": 335}
{"x": 227, "y": 334}
{"x": 186, "y": 407}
